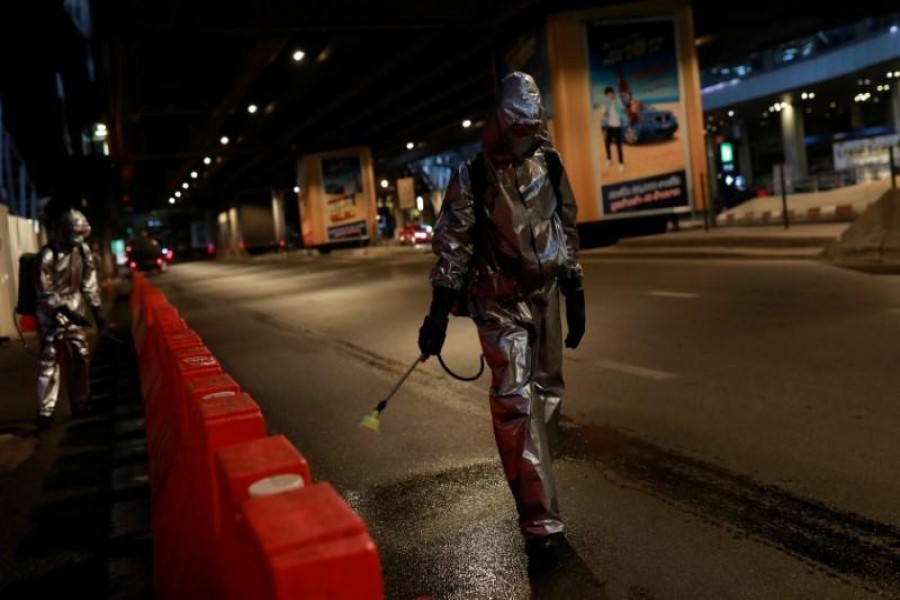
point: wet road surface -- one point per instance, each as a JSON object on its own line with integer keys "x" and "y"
{"x": 728, "y": 433}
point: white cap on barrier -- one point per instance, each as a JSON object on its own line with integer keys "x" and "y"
{"x": 277, "y": 484}
{"x": 215, "y": 395}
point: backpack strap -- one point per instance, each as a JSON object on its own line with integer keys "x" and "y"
{"x": 478, "y": 180}
{"x": 555, "y": 169}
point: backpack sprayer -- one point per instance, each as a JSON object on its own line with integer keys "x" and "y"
{"x": 27, "y": 302}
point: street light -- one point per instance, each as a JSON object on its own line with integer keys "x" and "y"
{"x": 466, "y": 124}
{"x": 185, "y": 185}
{"x": 252, "y": 109}
{"x": 410, "y": 145}
{"x": 296, "y": 189}
{"x": 224, "y": 140}
{"x": 298, "y": 55}
{"x": 384, "y": 183}
{"x": 193, "y": 174}
{"x": 207, "y": 160}
{"x": 171, "y": 200}
{"x": 178, "y": 194}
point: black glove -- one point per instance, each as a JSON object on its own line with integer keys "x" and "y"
{"x": 434, "y": 328}
{"x": 573, "y": 290}
{"x": 99, "y": 319}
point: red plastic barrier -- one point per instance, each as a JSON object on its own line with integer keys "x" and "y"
{"x": 308, "y": 543}
{"x": 153, "y": 356}
{"x": 184, "y": 500}
{"x": 170, "y": 337}
{"x": 166, "y": 317}
{"x": 222, "y": 421}
{"x": 164, "y": 414}
{"x": 165, "y": 441}
{"x": 207, "y": 449}
{"x": 237, "y": 468}
{"x": 218, "y": 420}
{"x": 144, "y": 315}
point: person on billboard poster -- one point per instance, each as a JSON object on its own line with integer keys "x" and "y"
{"x": 615, "y": 120}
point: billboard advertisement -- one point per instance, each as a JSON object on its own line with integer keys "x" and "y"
{"x": 346, "y": 211}
{"x": 639, "y": 141}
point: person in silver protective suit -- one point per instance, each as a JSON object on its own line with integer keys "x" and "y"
{"x": 67, "y": 290}
{"x": 510, "y": 262}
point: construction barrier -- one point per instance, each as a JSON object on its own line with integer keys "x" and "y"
{"x": 304, "y": 542}
{"x": 238, "y": 468}
{"x": 235, "y": 513}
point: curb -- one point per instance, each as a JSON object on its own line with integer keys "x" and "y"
{"x": 704, "y": 254}
{"x": 838, "y": 212}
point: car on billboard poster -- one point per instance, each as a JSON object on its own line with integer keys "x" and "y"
{"x": 640, "y": 157}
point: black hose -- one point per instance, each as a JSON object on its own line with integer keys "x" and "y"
{"x": 458, "y": 377}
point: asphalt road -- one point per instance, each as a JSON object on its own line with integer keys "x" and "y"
{"x": 729, "y": 431}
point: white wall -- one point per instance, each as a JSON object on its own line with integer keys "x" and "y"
{"x": 17, "y": 236}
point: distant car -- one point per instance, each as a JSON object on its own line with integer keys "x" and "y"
{"x": 145, "y": 254}
{"x": 412, "y": 235}
{"x": 651, "y": 124}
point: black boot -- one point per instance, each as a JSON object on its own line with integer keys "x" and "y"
{"x": 43, "y": 422}
{"x": 543, "y": 552}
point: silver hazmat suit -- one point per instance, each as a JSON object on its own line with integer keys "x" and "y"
{"x": 67, "y": 278}
{"x": 528, "y": 242}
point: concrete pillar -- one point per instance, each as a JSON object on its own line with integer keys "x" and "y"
{"x": 744, "y": 158}
{"x": 895, "y": 105}
{"x": 278, "y": 214}
{"x": 856, "y": 116}
{"x": 22, "y": 200}
{"x": 792, "y": 136}
{"x": 3, "y": 175}
{"x": 234, "y": 232}
{"x": 8, "y": 167}
{"x": 711, "y": 193}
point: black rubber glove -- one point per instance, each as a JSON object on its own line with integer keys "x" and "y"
{"x": 434, "y": 328}
{"x": 573, "y": 290}
{"x": 99, "y": 319}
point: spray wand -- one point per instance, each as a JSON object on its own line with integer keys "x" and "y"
{"x": 372, "y": 421}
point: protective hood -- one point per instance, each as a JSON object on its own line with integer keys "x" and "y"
{"x": 517, "y": 127}
{"x": 75, "y": 226}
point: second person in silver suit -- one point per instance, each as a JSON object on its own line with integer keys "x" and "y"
{"x": 67, "y": 292}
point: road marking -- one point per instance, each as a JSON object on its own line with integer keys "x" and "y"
{"x": 665, "y": 294}
{"x": 611, "y": 365}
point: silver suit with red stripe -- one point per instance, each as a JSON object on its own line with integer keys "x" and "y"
{"x": 527, "y": 242}
{"x": 67, "y": 278}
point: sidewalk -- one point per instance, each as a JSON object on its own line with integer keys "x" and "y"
{"x": 842, "y": 204}
{"x": 74, "y": 498}
{"x": 768, "y": 242}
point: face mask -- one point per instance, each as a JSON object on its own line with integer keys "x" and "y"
{"x": 521, "y": 146}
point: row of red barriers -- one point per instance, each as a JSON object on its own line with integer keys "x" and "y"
{"x": 235, "y": 513}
